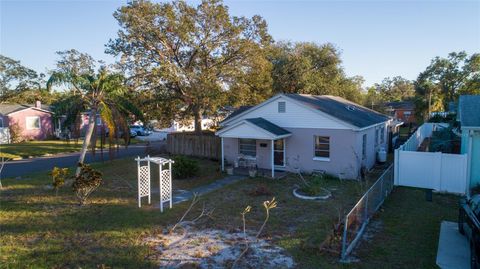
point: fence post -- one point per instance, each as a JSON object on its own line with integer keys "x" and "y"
{"x": 344, "y": 239}
{"x": 366, "y": 204}
{"x": 396, "y": 171}
{"x": 381, "y": 188}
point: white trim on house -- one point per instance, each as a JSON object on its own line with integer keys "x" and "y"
{"x": 248, "y": 130}
{"x": 30, "y": 118}
{"x": 375, "y": 125}
{"x": 473, "y": 128}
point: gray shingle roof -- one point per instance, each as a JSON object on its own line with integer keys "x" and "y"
{"x": 341, "y": 109}
{"x": 237, "y": 112}
{"x": 10, "y": 108}
{"x": 268, "y": 126}
{"x": 6, "y": 109}
{"x": 401, "y": 105}
{"x": 469, "y": 110}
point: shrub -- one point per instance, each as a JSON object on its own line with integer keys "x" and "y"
{"x": 86, "y": 182}
{"x": 317, "y": 184}
{"x": 58, "y": 178}
{"x": 15, "y": 132}
{"x": 184, "y": 167}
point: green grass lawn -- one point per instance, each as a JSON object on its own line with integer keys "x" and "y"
{"x": 410, "y": 230}
{"x": 41, "y": 230}
{"x": 42, "y": 148}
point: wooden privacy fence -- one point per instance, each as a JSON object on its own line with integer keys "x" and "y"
{"x": 206, "y": 145}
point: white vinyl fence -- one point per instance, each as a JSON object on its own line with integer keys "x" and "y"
{"x": 422, "y": 132}
{"x": 4, "y": 135}
{"x": 431, "y": 170}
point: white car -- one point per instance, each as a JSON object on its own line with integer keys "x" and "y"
{"x": 140, "y": 130}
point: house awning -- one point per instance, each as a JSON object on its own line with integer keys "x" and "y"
{"x": 255, "y": 128}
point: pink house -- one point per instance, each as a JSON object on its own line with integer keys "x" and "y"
{"x": 34, "y": 122}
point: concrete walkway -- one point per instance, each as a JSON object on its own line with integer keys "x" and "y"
{"x": 453, "y": 250}
{"x": 182, "y": 196}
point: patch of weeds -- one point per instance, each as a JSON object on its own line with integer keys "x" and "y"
{"x": 260, "y": 190}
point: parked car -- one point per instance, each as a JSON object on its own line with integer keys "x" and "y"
{"x": 133, "y": 133}
{"x": 140, "y": 130}
{"x": 469, "y": 225}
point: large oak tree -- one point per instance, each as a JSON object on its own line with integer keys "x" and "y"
{"x": 191, "y": 60}
{"x": 311, "y": 68}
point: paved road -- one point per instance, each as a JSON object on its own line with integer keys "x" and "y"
{"x": 22, "y": 167}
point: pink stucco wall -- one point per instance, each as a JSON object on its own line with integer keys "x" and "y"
{"x": 345, "y": 151}
{"x": 20, "y": 117}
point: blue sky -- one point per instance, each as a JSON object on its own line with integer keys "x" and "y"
{"x": 377, "y": 38}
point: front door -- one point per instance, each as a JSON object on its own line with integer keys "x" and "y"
{"x": 279, "y": 153}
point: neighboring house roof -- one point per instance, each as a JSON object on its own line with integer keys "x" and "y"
{"x": 342, "y": 109}
{"x": 409, "y": 105}
{"x": 6, "y": 109}
{"x": 469, "y": 111}
{"x": 268, "y": 126}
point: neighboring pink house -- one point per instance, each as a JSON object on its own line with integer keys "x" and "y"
{"x": 35, "y": 122}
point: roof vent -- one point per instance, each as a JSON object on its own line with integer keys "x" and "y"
{"x": 351, "y": 108}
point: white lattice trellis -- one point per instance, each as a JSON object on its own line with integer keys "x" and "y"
{"x": 143, "y": 181}
{"x": 166, "y": 186}
{"x": 165, "y": 179}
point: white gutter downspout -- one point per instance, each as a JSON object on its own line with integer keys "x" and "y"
{"x": 469, "y": 161}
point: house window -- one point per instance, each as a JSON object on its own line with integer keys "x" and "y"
{"x": 247, "y": 147}
{"x": 382, "y": 135}
{"x": 407, "y": 113}
{"x": 322, "y": 147}
{"x": 364, "y": 146}
{"x": 33, "y": 123}
{"x": 99, "y": 120}
{"x": 1, "y": 122}
{"x": 282, "y": 107}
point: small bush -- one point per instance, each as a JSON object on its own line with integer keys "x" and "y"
{"x": 15, "y": 132}
{"x": 184, "y": 167}
{"x": 317, "y": 185}
{"x": 87, "y": 182}
{"x": 58, "y": 178}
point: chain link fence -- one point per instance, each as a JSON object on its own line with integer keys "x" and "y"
{"x": 358, "y": 218}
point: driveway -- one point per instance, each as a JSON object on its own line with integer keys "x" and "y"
{"x": 453, "y": 250}
{"x": 26, "y": 166}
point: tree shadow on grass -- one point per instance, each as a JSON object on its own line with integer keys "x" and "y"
{"x": 68, "y": 254}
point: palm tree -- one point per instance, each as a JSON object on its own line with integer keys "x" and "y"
{"x": 102, "y": 93}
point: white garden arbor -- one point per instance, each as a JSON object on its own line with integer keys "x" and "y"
{"x": 164, "y": 175}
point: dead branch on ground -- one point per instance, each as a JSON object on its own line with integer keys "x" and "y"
{"x": 204, "y": 213}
